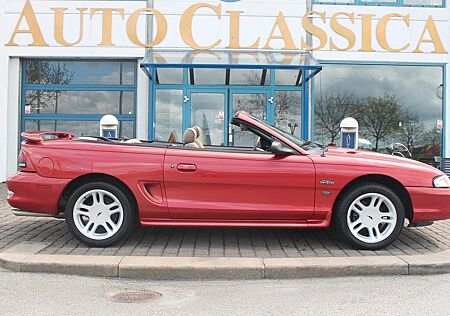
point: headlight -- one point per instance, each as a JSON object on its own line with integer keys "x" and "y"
{"x": 441, "y": 182}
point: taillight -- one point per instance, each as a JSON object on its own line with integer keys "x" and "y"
{"x": 24, "y": 162}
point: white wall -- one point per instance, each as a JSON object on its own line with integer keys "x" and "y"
{"x": 398, "y": 34}
{"x": 3, "y": 101}
{"x": 257, "y": 20}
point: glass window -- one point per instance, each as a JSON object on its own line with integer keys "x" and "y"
{"x": 126, "y": 128}
{"x": 249, "y": 77}
{"x": 436, "y": 3}
{"x": 207, "y": 112}
{"x": 66, "y": 110}
{"x": 288, "y": 111}
{"x": 80, "y": 72}
{"x": 335, "y": 1}
{"x": 79, "y": 128}
{"x": 169, "y": 75}
{"x": 208, "y": 76}
{"x": 378, "y": 1}
{"x": 288, "y": 77}
{"x": 398, "y": 108}
{"x": 168, "y": 114}
{"x": 79, "y": 102}
{"x": 255, "y": 104}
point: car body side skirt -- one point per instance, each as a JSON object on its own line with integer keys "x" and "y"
{"x": 230, "y": 223}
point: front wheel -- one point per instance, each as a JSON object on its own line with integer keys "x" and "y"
{"x": 370, "y": 216}
{"x": 99, "y": 214}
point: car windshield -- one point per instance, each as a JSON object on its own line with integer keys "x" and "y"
{"x": 304, "y": 144}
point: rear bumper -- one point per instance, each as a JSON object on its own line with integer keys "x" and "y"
{"x": 29, "y": 192}
{"x": 430, "y": 204}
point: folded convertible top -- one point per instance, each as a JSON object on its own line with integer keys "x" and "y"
{"x": 39, "y": 136}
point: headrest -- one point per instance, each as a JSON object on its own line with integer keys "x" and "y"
{"x": 133, "y": 141}
{"x": 198, "y": 130}
{"x": 189, "y": 136}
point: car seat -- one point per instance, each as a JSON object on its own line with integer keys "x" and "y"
{"x": 133, "y": 141}
{"x": 189, "y": 137}
{"x": 198, "y": 130}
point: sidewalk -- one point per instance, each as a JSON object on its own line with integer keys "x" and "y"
{"x": 41, "y": 244}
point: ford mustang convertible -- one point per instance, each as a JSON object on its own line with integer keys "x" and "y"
{"x": 106, "y": 187}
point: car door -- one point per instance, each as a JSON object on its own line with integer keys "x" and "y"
{"x": 233, "y": 184}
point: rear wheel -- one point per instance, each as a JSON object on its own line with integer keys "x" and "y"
{"x": 99, "y": 214}
{"x": 370, "y": 217}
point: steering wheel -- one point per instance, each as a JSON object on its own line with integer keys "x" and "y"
{"x": 255, "y": 144}
{"x": 397, "y": 153}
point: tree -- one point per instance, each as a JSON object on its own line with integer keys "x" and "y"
{"x": 411, "y": 130}
{"x": 331, "y": 110}
{"x": 379, "y": 117}
{"x": 288, "y": 106}
{"x": 48, "y": 72}
{"x": 433, "y": 137}
{"x": 45, "y": 73}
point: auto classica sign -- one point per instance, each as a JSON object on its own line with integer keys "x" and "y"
{"x": 338, "y": 31}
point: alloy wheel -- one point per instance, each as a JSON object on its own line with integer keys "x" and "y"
{"x": 371, "y": 218}
{"x": 98, "y": 214}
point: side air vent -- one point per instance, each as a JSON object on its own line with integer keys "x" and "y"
{"x": 445, "y": 165}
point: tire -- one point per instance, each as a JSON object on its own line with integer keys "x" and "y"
{"x": 370, "y": 216}
{"x": 100, "y": 214}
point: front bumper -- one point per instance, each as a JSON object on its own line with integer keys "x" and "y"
{"x": 29, "y": 192}
{"x": 429, "y": 204}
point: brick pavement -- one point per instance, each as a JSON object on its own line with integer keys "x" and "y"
{"x": 213, "y": 242}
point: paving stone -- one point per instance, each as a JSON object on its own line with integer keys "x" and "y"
{"x": 214, "y": 242}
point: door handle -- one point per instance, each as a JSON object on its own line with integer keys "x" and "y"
{"x": 186, "y": 167}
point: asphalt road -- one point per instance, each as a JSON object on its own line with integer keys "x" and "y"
{"x": 44, "y": 294}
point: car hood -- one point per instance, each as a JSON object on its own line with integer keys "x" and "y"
{"x": 368, "y": 162}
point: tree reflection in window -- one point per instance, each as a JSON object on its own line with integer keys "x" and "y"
{"x": 56, "y": 87}
{"x": 288, "y": 111}
{"x": 44, "y": 72}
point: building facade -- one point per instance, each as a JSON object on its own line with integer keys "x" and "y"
{"x": 161, "y": 66}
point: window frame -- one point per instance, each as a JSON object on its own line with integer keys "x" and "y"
{"x": 75, "y": 87}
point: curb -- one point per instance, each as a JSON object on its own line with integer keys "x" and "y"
{"x": 169, "y": 268}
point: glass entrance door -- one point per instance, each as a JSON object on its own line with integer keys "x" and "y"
{"x": 211, "y": 110}
{"x": 207, "y": 110}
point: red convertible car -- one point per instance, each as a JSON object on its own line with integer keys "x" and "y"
{"x": 105, "y": 187}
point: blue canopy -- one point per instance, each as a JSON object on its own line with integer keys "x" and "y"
{"x": 231, "y": 59}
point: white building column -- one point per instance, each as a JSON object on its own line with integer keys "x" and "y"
{"x": 446, "y": 112}
{"x": 13, "y": 117}
{"x": 3, "y": 115}
{"x": 142, "y": 104}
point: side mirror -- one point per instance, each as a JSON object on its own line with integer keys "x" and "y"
{"x": 278, "y": 148}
